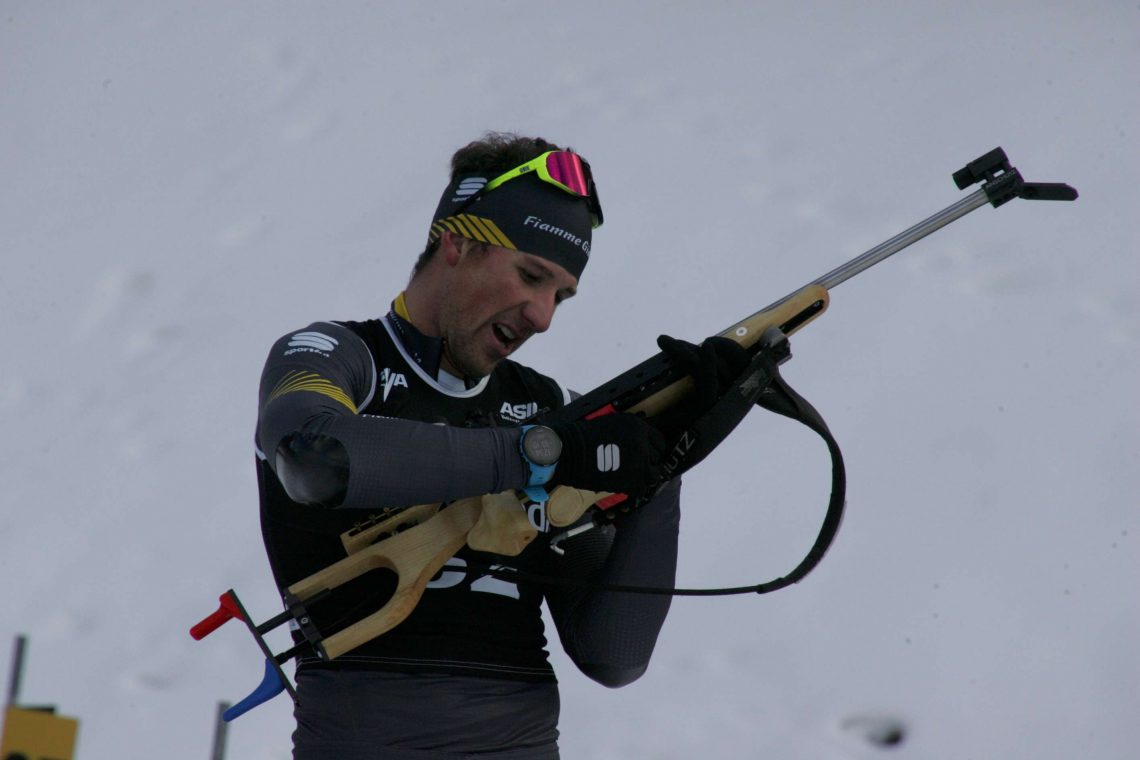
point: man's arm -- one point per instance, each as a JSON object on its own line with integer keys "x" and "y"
{"x": 326, "y": 453}
{"x": 610, "y": 635}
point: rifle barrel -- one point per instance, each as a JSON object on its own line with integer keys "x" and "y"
{"x": 902, "y": 240}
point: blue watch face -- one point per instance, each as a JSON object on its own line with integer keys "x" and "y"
{"x": 542, "y": 446}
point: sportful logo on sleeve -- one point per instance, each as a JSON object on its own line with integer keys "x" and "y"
{"x": 312, "y": 341}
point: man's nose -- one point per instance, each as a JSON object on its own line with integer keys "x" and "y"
{"x": 539, "y": 312}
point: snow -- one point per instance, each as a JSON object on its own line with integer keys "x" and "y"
{"x": 183, "y": 183}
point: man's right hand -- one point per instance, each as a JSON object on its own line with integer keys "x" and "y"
{"x": 621, "y": 453}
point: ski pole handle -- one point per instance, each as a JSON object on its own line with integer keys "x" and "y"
{"x": 226, "y": 611}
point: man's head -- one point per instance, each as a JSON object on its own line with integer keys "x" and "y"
{"x": 528, "y": 209}
{"x": 501, "y": 255}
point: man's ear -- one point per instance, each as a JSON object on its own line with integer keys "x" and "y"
{"x": 451, "y": 247}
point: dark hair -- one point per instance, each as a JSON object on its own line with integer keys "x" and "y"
{"x": 493, "y": 154}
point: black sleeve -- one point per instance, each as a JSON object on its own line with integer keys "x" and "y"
{"x": 610, "y": 635}
{"x": 325, "y": 453}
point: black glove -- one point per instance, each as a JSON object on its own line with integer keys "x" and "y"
{"x": 714, "y": 366}
{"x": 728, "y": 383}
{"x": 621, "y": 453}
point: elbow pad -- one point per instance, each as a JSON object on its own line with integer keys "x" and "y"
{"x": 613, "y": 676}
{"x": 313, "y": 469}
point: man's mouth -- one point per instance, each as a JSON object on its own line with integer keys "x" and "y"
{"x": 506, "y": 336}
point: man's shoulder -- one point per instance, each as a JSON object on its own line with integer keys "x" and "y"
{"x": 330, "y": 329}
{"x": 360, "y": 327}
{"x": 371, "y": 332}
{"x": 323, "y": 339}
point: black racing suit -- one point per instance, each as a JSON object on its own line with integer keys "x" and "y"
{"x": 356, "y": 417}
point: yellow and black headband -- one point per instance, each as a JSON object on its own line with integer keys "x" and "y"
{"x": 550, "y": 212}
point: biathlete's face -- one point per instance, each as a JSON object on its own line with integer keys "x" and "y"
{"x": 499, "y": 299}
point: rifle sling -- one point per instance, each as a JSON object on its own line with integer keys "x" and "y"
{"x": 777, "y": 397}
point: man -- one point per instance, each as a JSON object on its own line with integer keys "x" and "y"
{"x": 424, "y": 405}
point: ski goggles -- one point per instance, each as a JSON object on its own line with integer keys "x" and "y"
{"x": 565, "y": 170}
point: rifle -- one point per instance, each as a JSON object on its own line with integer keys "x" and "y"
{"x": 415, "y": 543}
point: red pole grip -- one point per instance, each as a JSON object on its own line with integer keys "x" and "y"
{"x": 226, "y": 610}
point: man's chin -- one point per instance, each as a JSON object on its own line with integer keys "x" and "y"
{"x": 471, "y": 368}
{"x": 479, "y": 360}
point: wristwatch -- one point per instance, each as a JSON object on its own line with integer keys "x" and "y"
{"x": 540, "y": 448}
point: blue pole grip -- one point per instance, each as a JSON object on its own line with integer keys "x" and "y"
{"x": 271, "y": 685}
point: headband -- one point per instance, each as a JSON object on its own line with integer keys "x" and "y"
{"x": 525, "y": 215}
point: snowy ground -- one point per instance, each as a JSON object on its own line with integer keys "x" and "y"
{"x": 182, "y": 183}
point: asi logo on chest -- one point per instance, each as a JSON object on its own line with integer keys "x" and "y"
{"x": 518, "y": 412}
